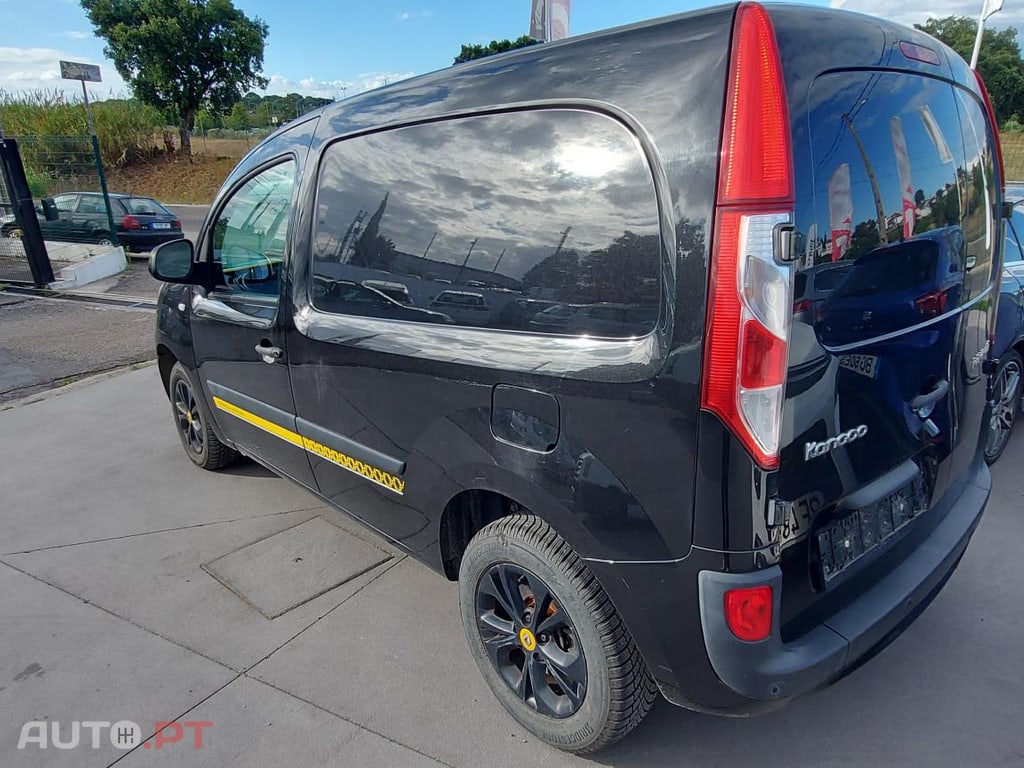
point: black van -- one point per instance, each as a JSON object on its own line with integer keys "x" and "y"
{"x": 689, "y": 483}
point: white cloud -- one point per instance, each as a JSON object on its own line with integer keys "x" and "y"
{"x": 74, "y": 34}
{"x": 407, "y": 15}
{"x": 336, "y": 88}
{"x": 28, "y": 69}
{"x": 912, "y": 12}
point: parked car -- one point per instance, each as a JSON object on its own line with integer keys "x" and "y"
{"x": 701, "y": 495}
{"x": 1009, "y": 338}
{"x": 140, "y": 222}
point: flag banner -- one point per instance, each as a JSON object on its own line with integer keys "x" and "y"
{"x": 899, "y": 147}
{"x": 539, "y": 20}
{"x": 558, "y": 19}
{"x": 840, "y": 210}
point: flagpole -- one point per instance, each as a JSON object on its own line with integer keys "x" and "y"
{"x": 986, "y": 11}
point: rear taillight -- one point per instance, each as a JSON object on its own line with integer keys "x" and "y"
{"x": 750, "y": 295}
{"x": 933, "y": 303}
{"x": 992, "y": 122}
{"x": 131, "y": 222}
{"x": 748, "y": 612}
{"x": 175, "y": 224}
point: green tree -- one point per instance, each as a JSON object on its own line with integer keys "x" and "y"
{"x": 477, "y": 51}
{"x": 182, "y": 54}
{"x": 999, "y": 59}
{"x": 238, "y": 120}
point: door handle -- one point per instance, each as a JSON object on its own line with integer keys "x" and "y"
{"x": 922, "y": 405}
{"x": 268, "y": 351}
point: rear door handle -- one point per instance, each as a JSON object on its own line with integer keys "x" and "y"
{"x": 922, "y": 405}
{"x": 268, "y": 352}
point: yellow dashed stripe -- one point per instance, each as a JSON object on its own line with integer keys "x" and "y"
{"x": 343, "y": 460}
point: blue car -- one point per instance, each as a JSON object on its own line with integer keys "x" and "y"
{"x": 1009, "y": 342}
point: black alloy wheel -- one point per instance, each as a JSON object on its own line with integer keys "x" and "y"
{"x": 1006, "y": 405}
{"x": 190, "y": 420}
{"x": 530, "y": 640}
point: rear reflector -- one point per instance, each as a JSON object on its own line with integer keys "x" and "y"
{"x": 748, "y": 612}
{"x": 750, "y": 294}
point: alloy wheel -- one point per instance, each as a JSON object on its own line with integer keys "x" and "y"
{"x": 530, "y": 640}
{"x": 1004, "y": 410}
{"x": 190, "y": 420}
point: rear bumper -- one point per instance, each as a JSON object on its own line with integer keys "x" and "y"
{"x": 148, "y": 239}
{"x": 674, "y": 611}
{"x": 771, "y": 669}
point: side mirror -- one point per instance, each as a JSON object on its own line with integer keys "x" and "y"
{"x": 172, "y": 262}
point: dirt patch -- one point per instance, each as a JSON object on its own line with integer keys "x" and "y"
{"x": 175, "y": 179}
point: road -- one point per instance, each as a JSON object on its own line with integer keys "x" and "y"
{"x": 107, "y": 543}
{"x": 191, "y": 218}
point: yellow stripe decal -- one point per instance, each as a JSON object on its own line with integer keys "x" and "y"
{"x": 361, "y": 468}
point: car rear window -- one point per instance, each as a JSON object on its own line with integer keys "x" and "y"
{"x": 896, "y": 183}
{"x": 143, "y": 206}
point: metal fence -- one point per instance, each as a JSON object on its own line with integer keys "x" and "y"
{"x": 23, "y": 254}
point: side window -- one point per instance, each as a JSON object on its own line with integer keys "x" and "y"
{"x": 543, "y": 221}
{"x": 65, "y": 203}
{"x": 249, "y": 238}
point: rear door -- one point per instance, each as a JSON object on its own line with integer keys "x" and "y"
{"x": 896, "y": 186}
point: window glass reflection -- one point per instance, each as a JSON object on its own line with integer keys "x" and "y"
{"x": 540, "y": 221}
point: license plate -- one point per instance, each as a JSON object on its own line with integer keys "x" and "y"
{"x": 160, "y": 225}
{"x": 865, "y": 365}
{"x": 843, "y": 542}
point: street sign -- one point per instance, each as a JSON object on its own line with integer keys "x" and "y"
{"x": 73, "y": 70}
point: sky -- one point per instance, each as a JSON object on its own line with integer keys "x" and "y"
{"x": 337, "y": 49}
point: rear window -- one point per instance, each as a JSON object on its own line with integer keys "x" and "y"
{"x": 143, "y": 206}
{"x": 895, "y": 187}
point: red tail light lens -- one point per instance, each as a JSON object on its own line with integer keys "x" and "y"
{"x": 757, "y": 159}
{"x": 748, "y": 612}
{"x": 750, "y": 296}
{"x": 933, "y": 303}
{"x": 131, "y": 222}
{"x": 175, "y": 224}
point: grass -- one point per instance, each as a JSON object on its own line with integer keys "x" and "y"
{"x": 174, "y": 179}
{"x": 1013, "y": 154}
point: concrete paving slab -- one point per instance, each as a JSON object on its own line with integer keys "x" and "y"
{"x": 104, "y": 461}
{"x": 293, "y": 566}
{"x": 394, "y": 659}
{"x": 256, "y": 726}
{"x": 63, "y": 660}
{"x": 155, "y": 581}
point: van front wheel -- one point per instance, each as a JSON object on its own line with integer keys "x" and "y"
{"x": 547, "y": 639}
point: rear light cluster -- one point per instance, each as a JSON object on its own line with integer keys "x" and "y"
{"x": 748, "y": 612}
{"x": 750, "y": 294}
{"x": 933, "y": 303}
{"x": 131, "y": 222}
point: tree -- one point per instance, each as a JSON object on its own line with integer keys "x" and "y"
{"x": 182, "y": 54}
{"x": 238, "y": 120}
{"x": 999, "y": 59}
{"x": 477, "y": 51}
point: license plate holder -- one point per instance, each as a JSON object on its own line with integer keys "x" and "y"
{"x": 850, "y": 540}
{"x": 160, "y": 225}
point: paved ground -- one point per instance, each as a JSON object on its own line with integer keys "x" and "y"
{"x": 108, "y": 616}
{"x": 46, "y": 342}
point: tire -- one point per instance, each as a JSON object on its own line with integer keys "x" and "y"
{"x": 1006, "y": 406}
{"x": 585, "y": 636}
{"x": 193, "y": 421}
{"x": 104, "y": 239}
